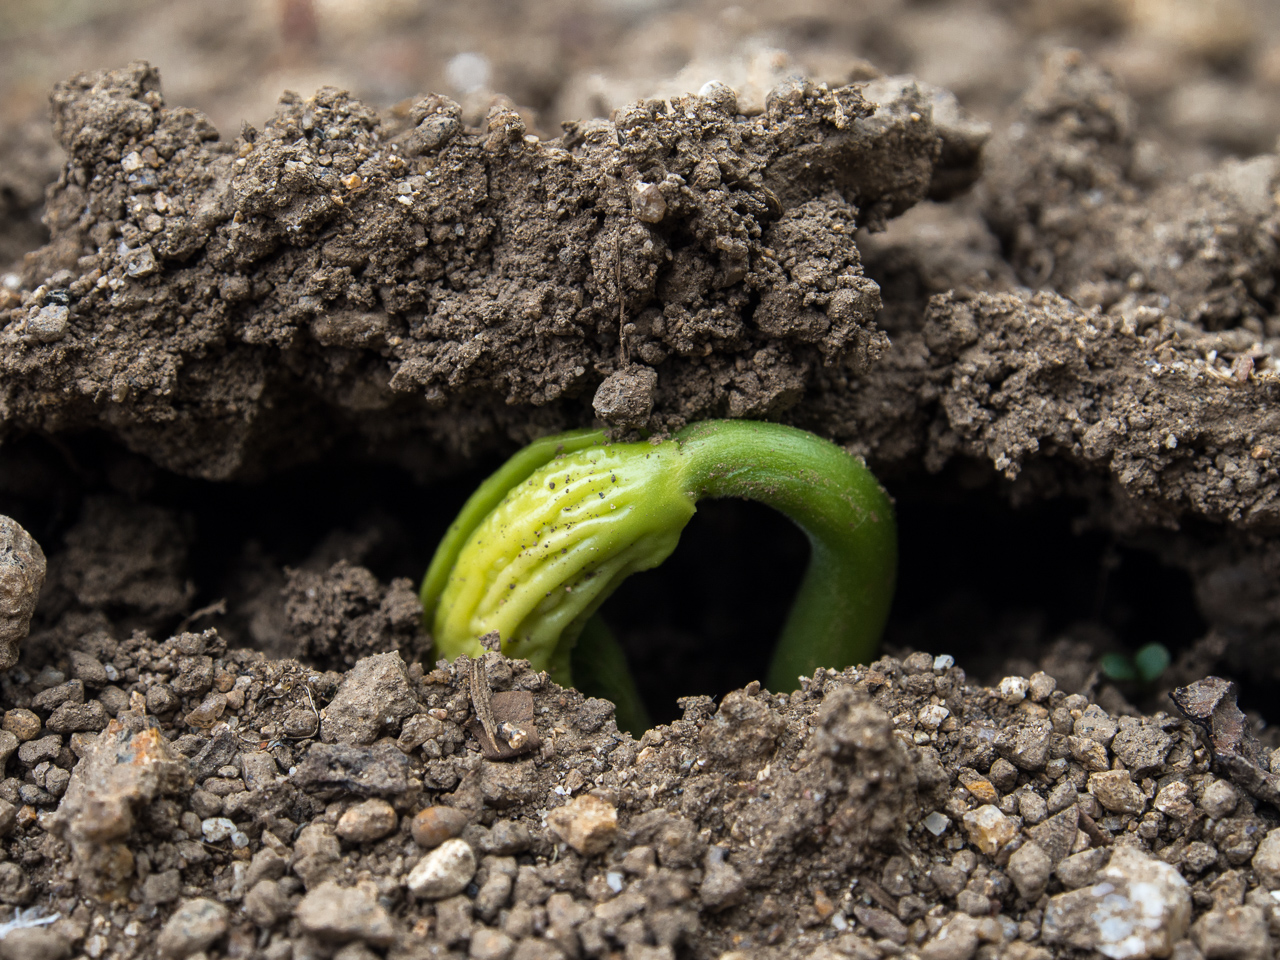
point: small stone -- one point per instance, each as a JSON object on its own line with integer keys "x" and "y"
{"x": 161, "y": 699}
{"x": 931, "y": 717}
{"x": 1266, "y": 861}
{"x": 587, "y": 823}
{"x": 1013, "y": 690}
{"x": 265, "y": 903}
{"x": 1138, "y": 908}
{"x": 162, "y": 887}
{"x": 1233, "y": 933}
{"x": 374, "y": 695}
{"x": 988, "y": 828}
{"x": 1032, "y": 808}
{"x": 957, "y": 940}
{"x": 87, "y": 669}
{"x": 1081, "y": 868}
{"x": 1003, "y": 775}
{"x": 432, "y": 826}
{"x": 1030, "y": 868}
{"x": 78, "y": 718}
{"x": 49, "y": 325}
{"x": 490, "y": 944}
{"x": 444, "y": 871}
{"x": 34, "y": 751}
{"x": 194, "y": 927}
{"x": 140, "y": 262}
{"x": 1096, "y": 725}
{"x": 493, "y": 896}
{"x": 880, "y": 922}
{"x": 217, "y": 829}
{"x": 1117, "y": 792}
{"x": 1219, "y": 799}
{"x": 34, "y": 943}
{"x": 337, "y": 913}
{"x": 1041, "y": 686}
{"x": 22, "y": 568}
{"x": 722, "y": 885}
{"x": 625, "y": 397}
{"x": 8, "y": 818}
{"x": 1090, "y": 754}
{"x": 1174, "y": 800}
{"x": 1057, "y": 835}
{"x": 1027, "y": 745}
{"x": 209, "y": 711}
{"x": 1141, "y": 746}
{"x": 1199, "y": 856}
{"x": 367, "y": 821}
{"x": 979, "y": 787}
{"x": 937, "y": 823}
{"x": 507, "y": 838}
{"x": 23, "y": 724}
{"x": 336, "y": 769}
{"x": 648, "y": 203}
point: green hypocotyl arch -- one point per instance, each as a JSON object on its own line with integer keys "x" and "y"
{"x": 545, "y": 540}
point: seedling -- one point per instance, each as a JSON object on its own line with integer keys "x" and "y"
{"x": 1143, "y": 668}
{"x": 544, "y": 541}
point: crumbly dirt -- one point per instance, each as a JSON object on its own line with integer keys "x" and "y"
{"x": 222, "y": 741}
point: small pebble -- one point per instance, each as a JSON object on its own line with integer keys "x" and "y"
{"x": 1219, "y": 799}
{"x": 217, "y": 829}
{"x": 1042, "y": 686}
{"x": 1013, "y": 689}
{"x": 937, "y": 823}
{"x": 194, "y": 927}
{"x": 432, "y": 826}
{"x": 34, "y": 943}
{"x": 444, "y": 871}
{"x": 367, "y": 821}
{"x": 588, "y": 824}
{"x": 989, "y": 829}
{"x": 331, "y": 912}
{"x": 23, "y": 724}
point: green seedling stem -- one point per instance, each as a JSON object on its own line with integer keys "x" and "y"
{"x": 544, "y": 541}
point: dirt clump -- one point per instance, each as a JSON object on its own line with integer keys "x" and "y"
{"x": 427, "y": 283}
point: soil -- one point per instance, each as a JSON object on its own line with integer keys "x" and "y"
{"x": 247, "y": 378}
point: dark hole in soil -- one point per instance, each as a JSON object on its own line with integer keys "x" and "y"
{"x": 972, "y": 567}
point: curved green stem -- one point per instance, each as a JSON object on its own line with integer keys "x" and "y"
{"x": 840, "y": 610}
{"x": 547, "y": 538}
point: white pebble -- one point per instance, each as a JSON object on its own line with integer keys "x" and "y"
{"x": 933, "y": 715}
{"x": 937, "y": 823}
{"x": 1013, "y": 689}
{"x": 444, "y": 871}
{"x": 217, "y": 829}
{"x": 943, "y": 661}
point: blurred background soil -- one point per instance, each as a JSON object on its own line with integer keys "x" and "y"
{"x": 1204, "y": 73}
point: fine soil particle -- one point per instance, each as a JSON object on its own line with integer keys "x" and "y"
{"x": 895, "y": 809}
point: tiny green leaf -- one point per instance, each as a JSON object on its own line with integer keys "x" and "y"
{"x": 1118, "y": 667}
{"x": 1150, "y": 661}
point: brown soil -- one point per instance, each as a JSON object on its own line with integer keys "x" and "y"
{"x": 245, "y": 381}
